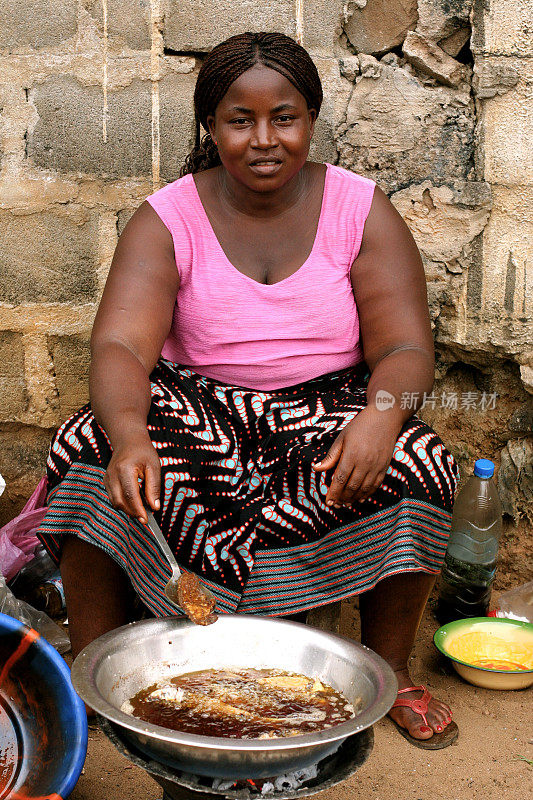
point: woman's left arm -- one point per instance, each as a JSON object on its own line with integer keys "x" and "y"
{"x": 390, "y": 291}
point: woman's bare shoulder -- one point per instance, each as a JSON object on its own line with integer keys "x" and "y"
{"x": 144, "y": 217}
{"x": 382, "y": 217}
{"x": 145, "y": 242}
{"x": 141, "y": 288}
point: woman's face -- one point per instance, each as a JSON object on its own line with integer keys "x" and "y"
{"x": 263, "y": 129}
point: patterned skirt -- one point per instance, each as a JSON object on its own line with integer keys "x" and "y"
{"x": 241, "y": 505}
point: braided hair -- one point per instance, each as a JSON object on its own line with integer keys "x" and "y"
{"x": 227, "y": 62}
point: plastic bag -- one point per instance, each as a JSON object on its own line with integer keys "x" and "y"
{"x": 35, "y": 572}
{"x": 37, "y": 620}
{"x": 517, "y": 603}
{"x": 17, "y": 538}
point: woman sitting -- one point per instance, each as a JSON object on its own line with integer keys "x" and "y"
{"x": 263, "y": 317}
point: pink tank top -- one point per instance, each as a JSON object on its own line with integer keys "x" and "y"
{"x": 235, "y": 330}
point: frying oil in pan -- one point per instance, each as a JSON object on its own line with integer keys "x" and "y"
{"x": 10, "y": 750}
{"x": 242, "y": 704}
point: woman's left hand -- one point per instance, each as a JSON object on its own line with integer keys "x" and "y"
{"x": 361, "y": 453}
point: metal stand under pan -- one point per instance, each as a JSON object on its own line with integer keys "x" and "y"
{"x": 178, "y": 785}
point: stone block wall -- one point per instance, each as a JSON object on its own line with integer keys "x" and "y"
{"x": 431, "y": 98}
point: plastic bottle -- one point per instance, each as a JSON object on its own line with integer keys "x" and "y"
{"x": 38, "y": 570}
{"x": 39, "y": 584}
{"x": 50, "y": 597}
{"x": 470, "y": 562}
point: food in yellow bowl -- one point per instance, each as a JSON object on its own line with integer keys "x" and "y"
{"x": 493, "y": 653}
{"x": 489, "y": 649}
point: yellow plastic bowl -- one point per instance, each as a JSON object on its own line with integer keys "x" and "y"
{"x": 489, "y": 652}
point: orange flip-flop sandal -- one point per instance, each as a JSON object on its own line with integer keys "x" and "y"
{"x": 421, "y": 706}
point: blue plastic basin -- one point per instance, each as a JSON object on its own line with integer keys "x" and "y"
{"x": 43, "y": 724}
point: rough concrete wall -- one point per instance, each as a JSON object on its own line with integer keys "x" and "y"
{"x": 428, "y": 98}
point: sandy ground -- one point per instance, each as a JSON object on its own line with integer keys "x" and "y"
{"x": 486, "y": 763}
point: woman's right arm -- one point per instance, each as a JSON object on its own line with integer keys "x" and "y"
{"x": 131, "y": 325}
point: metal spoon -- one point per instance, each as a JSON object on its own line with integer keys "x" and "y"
{"x": 171, "y": 588}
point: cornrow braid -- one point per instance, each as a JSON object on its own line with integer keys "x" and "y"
{"x": 227, "y": 62}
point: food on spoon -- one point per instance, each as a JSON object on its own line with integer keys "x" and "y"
{"x": 193, "y": 600}
{"x": 244, "y": 704}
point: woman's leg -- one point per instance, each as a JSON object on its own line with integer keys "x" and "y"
{"x": 96, "y": 592}
{"x": 390, "y": 616}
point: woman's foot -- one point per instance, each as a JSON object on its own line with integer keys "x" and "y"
{"x": 390, "y": 616}
{"x": 438, "y": 714}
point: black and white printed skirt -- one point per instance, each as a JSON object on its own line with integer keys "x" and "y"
{"x": 241, "y": 505}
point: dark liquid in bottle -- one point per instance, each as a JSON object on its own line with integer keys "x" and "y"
{"x": 465, "y": 590}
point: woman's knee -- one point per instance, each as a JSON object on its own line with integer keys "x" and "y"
{"x": 86, "y": 563}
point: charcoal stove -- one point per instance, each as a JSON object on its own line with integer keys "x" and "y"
{"x": 179, "y": 785}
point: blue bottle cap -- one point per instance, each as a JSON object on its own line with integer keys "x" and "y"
{"x": 483, "y": 468}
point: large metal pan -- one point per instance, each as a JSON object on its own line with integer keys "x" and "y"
{"x": 117, "y": 665}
